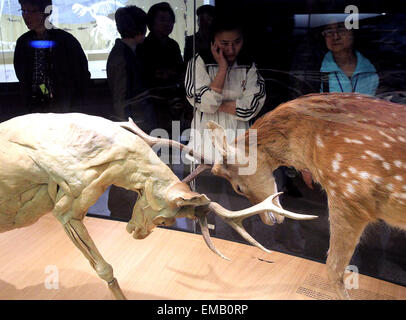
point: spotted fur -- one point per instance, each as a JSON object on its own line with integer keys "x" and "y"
{"x": 346, "y": 137}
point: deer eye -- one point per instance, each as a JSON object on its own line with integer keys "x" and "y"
{"x": 159, "y": 221}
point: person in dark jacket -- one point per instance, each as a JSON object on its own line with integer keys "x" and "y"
{"x": 205, "y": 15}
{"x": 128, "y": 85}
{"x": 125, "y": 70}
{"x": 49, "y": 63}
{"x": 164, "y": 66}
{"x": 163, "y": 56}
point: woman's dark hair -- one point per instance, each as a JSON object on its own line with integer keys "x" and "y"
{"x": 41, "y": 4}
{"x": 224, "y": 23}
{"x": 153, "y": 12}
{"x": 227, "y": 23}
{"x": 130, "y": 21}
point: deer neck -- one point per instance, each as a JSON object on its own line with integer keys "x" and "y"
{"x": 291, "y": 148}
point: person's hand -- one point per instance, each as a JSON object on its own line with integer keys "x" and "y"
{"x": 218, "y": 55}
{"x": 227, "y": 107}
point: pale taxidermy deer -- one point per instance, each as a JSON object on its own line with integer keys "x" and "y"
{"x": 62, "y": 163}
{"x": 353, "y": 145}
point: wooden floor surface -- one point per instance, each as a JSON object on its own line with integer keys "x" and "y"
{"x": 40, "y": 262}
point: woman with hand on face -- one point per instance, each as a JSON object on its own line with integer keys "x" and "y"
{"x": 225, "y": 86}
{"x": 346, "y": 68}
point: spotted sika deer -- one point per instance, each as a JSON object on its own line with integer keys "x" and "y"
{"x": 352, "y": 145}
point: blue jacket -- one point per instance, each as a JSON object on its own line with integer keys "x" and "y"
{"x": 364, "y": 79}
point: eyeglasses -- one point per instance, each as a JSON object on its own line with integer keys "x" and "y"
{"x": 23, "y": 11}
{"x": 331, "y": 32}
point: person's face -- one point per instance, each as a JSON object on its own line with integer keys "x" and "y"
{"x": 338, "y": 38}
{"x": 205, "y": 20}
{"x": 163, "y": 24}
{"x": 34, "y": 19}
{"x": 140, "y": 37}
{"x": 230, "y": 42}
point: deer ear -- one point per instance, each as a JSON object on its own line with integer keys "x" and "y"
{"x": 219, "y": 138}
{"x": 180, "y": 195}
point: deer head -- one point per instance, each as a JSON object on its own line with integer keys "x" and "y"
{"x": 161, "y": 205}
{"x": 249, "y": 174}
{"x": 157, "y": 207}
{"x": 257, "y": 184}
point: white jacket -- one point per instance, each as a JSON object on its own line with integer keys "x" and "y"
{"x": 243, "y": 84}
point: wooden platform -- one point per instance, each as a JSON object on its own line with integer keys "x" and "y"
{"x": 166, "y": 265}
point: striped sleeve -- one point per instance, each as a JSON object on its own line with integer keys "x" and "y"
{"x": 205, "y": 99}
{"x": 252, "y": 100}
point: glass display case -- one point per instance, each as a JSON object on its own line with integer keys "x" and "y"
{"x": 287, "y": 42}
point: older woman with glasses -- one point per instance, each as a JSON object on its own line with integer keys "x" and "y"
{"x": 346, "y": 69}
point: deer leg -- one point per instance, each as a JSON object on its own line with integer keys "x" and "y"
{"x": 80, "y": 237}
{"x": 344, "y": 237}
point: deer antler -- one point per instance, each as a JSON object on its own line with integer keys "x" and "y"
{"x": 199, "y": 169}
{"x": 202, "y": 216}
{"x": 131, "y": 126}
{"x": 264, "y": 206}
{"x": 235, "y": 218}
